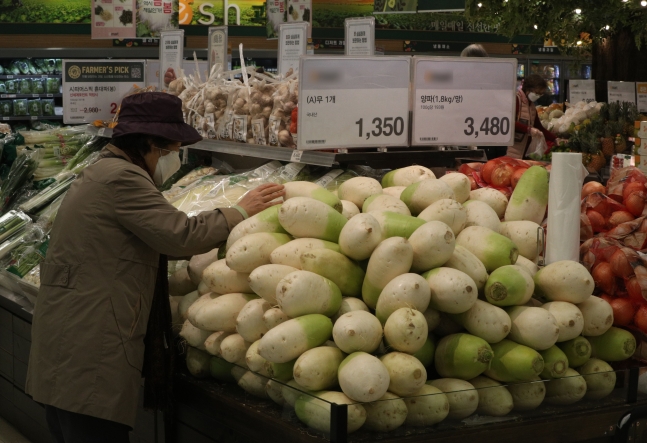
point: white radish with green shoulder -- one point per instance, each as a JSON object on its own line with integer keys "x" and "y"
{"x": 360, "y": 236}
{"x": 494, "y": 399}
{"x": 391, "y": 258}
{"x": 386, "y": 414}
{"x": 525, "y": 234}
{"x": 600, "y": 379}
{"x": 253, "y": 250}
{"x": 393, "y": 224}
{"x": 362, "y": 377}
{"x": 265, "y": 221}
{"x": 234, "y": 348}
{"x": 316, "y": 369}
{"x": 407, "y": 176}
{"x": 527, "y": 396}
{"x": 481, "y": 214}
{"x": 484, "y": 320}
{"x": 491, "y": 248}
{"x": 264, "y": 280}
{"x": 427, "y": 407}
{"x": 223, "y": 280}
{"x": 314, "y": 410}
{"x": 495, "y": 199}
{"x": 336, "y": 267}
{"x": 452, "y": 291}
{"x": 385, "y": 202}
{"x": 426, "y": 354}
{"x": 509, "y": 285}
{"x": 463, "y": 260}
{"x": 358, "y": 189}
{"x": 220, "y": 313}
{"x": 406, "y": 330}
{"x": 614, "y": 345}
{"x": 305, "y": 217}
{"x": 290, "y": 253}
{"x": 569, "y": 319}
{"x": 395, "y": 191}
{"x": 406, "y": 373}
{"x": 357, "y": 331}
{"x": 555, "y": 363}
{"x": 433, "y": 244}
{"x": 291, "y": 391}
{"x": 280, "y": 371}
{"x": 249, "y": 323}
{"x": 199, "y": 263}
{"x": 406, "y": 290}
{"x": 420, "y": 195}
{"x": 349, "y": 210}
{"x": 292, "y": 338}
{"x": 460, "y": 184}
{"x": 448, "y": 211}
{"x": 513, "y": 362}
{"x": 194, "y": 337}
{"x": 463, "y": 356}
{"x": 350, "y": 304}
{"x": 274, "y": 317}
{"x": 303, "y": 292}
{"x": 566, "y": 390}
{"x": 533, "y": 327}
{"x": 462, "y": 396}
{"x": 564, "y": 280}
{"x": 312, "y": 190}
{"x": 529, "y": 199}
{"x": 598, "y": 316}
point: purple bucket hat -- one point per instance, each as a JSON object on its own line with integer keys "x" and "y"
{"x": 155, "y": 113}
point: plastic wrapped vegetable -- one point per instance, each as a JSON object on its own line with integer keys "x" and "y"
{"x": 35, "y": 108}
{"x": 48, "y": 106}
{"x": 20, "y": 107}
{"x": 3, "y": 88}
{"x": 29, "y": 236}
{"x": 33, "y": 277}
{"x": 11, "y": 223}
{"x": 27, "y": 256}
{"x": 1, "y": 70}
{"x": 6, "y": 108}
{"x": 53, "y": 85}
{"x": 48, "y": 194}
{"x": 21, "y": 171}
{"x": 38, "y": 85}
{"x": 11, "y": 86}
{"x": 24, "y": 86}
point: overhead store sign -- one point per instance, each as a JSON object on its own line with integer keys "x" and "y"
{"x": 441, "y": 5}
{"x": 113, "y": 20}
{"x": 93, "y": 89}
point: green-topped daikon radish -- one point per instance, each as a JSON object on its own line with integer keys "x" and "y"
{"x": 357, "y": 331}
{"x": 420, "y": 195}
{"x": 197, "y": 362}
{"x": 463, "y": 356}
{"x": 219, "y": 314}
{"x": 569, "y": 319}
{"x": 199, "y": 263}
{"x": 291, "y": 391}
{"x": 406, "y": 330}
{"x": 484, "y": 320}
{"x": 360, "y": 236}
{"x": 385, "y": 202}
{"x": 404, "y": 291}
{"x": 393, "y": 224}
{"x": 533, "y": 327}
{"x": 527, "y": 396}
{"x": 265, "y": 221}
{"x": 312, "y": 190}
{"x": 221, "y": 369}
{"x": 509, "y": 285}
{"x": 290, "y": 253}
{"x": 255, "y": 362}
{"x": 305, "y": 217}
{"x": 528, "y": 265}
{"x": 433, "y": 244}
{"x": 250, "y": 382}
{"x": 481, "y": 214}
{"x": 530, "y": 197}
{"x": 427, "y": 407}
{"x": 213, "y": 342}
{"x": 336, "y": 267}
{"x": 292, "y": 338}
{"x": 491, "y": 248}
{"x": 406, "y": 373}
{"x": 350, "y": 304}
{"x": 316, "y": 369}
{"x": 433, "y": 318}
{"x": 386, "y": 414}
{"x": 460, "y": 184}
{"x": 223, "y": 280}
{"x": 577, "y": 351}
{"x": 303, "y": 292}
{"x": 363, "y": 377}
{"x": 597, "y": 314}
{"x": 525, "y": 234}
{"x": 496, "y": 199}
{"x": 463, "y": 260}
{"x": 249, "y": 323}
{"x": 614, "y": 345}
{"x": 600, "y": 379}
{"x": 280, "y": 371}
{"x": 565, "y": 280}
{"x": 566, "y": 390}
{"x": 555, "y": 363}
{"x": 274, "y": 390}
{"x": 274, "y": 317}
{"x": 391, "y": 258}
{"x": 462, "y": 396}
{"x": 452, "y": 291}
{"x": 314, "y": 410}
{"x": 395, "y": 191}
{"x": 185, "y": 303}
{"x": 448, "y": 211}
{"x": 349, "y": 210}
{"x": 253, "y": 250}
{"x": 406, "y": 176}
{"x": 513, "y": 362}
{"x": 194, "y": 337}
{"x": 426, "y": 353}
{"x": 358, "y": 189}
{"x": 234, "y": 348}
{"x": 494, "y": 399}
{"x": 264, "y": 280}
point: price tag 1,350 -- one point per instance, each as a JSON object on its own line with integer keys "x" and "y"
{"x": 353, "y": 102}
{"x": 463, "y": 101}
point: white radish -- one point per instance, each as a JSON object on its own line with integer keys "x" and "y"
{"x": 223, "y": 280}
{"x": 180, "y": 283}
{"x": 406, "y": 330}
{"x": 199, "y": 263}
{"x": 291, "y": 391}
{"x": 565, "y": 280}
{"x": 350, "y": 304}
{"x": 530, "y": 266}
{"x": 360, "y": 236}
{"x": 597, "y": 316}
{"x": 274, "y": 317}
{"x": 427, "y": 407}
{"x": 484, "y": 320}
{"x": 253, "y": 250}
{"x": 274, "y": 390}
{"x": 463, "y": 398}
{"x": 203, "y": 288}
{"x": 197, "y": 362}
{"x": 463, "y": 260}
{"x": 404, "y": 291}
{"x": 358, "y": 189}
{"x": 433, "y": 244}
{"x": 264, "y": 280}
{"x": 525, "y": 235}
{"x": 249, "y": 323}
{"x": 290, "y": 253}
{"x": 303, "y": 292}
{"x": 305, "y": 217}
{"x": 194, "y": 337}
{"x": 491, "y": 248}
{"x": 213, "y": 342}
{"x": 420, "y": 195}
{"x": 407, "y": 176}
{"x": 349, "y": 210}
{"x": 495, "y": 199}
{"x": 316, "y": 369}
{"x": 569, "y": 319}
{"x": 494, "y": 398}
{"x": 452, "y": 291}
{"x": 253, "y": 359}
{"x": 385, "y": 202}
{"x": 394, "y": 191}
{"x": 481, "y": 214}
{"x": 357, "y": 331}
{"x": 234, "y": 348}
{"x": 566, "y": 390}
{"x": 292, "y": 338}
{"x": 315, "y": 411}
{"x": 533, "y": 327}
{"x": 220, "y": 313}
{"x": 527, "y": 396}
{"x": 311, "y": 190}
{"x": 448, "y": 211}
{"x": 406, "y": 374}
{"x": 459, "y": 183}
{"x": 386, "y": 414}
{"x": 265, "y": 221}
{"x": 391, "y": 258}
{"x": 362, "y": 377}
{"x": 186, "y": 302}
{"x": 336, "y": 267}
{"x": 250, "y": 382}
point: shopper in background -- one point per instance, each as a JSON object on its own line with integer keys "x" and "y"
{"x": 103, "y": 300}
{"x": 527, "y": 124}
{"x": 474, "y": 50}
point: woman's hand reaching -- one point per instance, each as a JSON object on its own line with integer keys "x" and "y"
{"x": 261, "y": 198}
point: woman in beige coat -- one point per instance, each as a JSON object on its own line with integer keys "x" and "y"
{"x": 103, "y": 274}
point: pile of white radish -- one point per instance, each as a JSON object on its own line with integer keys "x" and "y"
{"x": 316, "y": 302}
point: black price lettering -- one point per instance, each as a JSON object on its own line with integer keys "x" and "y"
{"x": 386, "y": 127}
{"x": 489, "y": 126}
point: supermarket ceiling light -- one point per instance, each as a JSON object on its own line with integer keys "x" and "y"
{"x": 579, "y": 42}
{"x": 643, "y": 3}
{"x": 480, "y": 5}
{"x": 607, "y": 27}
{"x": 536, "y": 27}
{"x": 578, "y": 11}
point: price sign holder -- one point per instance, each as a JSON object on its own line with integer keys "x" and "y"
{"x": 360, "y": 36}
{"x": 171, "y": 51}
{"x": 621, "y": 92}
{"x": 641, "y": 96}
{"x": 581, "y": 90}
{"x": 353, "y": 102}
{"x": 293, "y": 42}
{"x": 218, "y": 36}
{"x": 463, "y": 101}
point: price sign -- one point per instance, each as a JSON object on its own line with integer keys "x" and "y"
{"x": 218, "y": 46}
{"x": 353, "y": 102}
{"x": 171, "y": 50}
{"x": 93, "y": 89}
{"x": 293, "y": 42}
{"x": 581, "y": 90}
{"x": 641, "y": 94}
{"x": 360, "y": 36}
{"x": 463, "y": 102}
{"x": 622, "y": 92}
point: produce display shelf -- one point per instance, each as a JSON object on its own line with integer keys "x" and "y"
{"x": 20, "y": 76}
{"x": 30, "y": 95}
{"x": 31, "y": 117}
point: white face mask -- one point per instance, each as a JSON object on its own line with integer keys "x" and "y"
{"x": 533, "y": 96}
{"x": 167, "y": 165}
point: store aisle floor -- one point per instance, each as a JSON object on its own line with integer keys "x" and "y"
{"x": 9, "y": 435}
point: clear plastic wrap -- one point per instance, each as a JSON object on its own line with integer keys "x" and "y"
{"x": 49, "y": 194}
{"x": 45, "y": 218}
{"x": 33, "y": 276}
{"x": 28, "y": 255}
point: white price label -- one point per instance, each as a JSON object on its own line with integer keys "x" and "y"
{"x": 581, "y": 90}
{"x": 347, "y": 102}
{"x": 171, "y": 50}
{"x": 360, "y": 36}
{"x": 622, "y": 92}
{"x": 293, "y": 41}
{"x": 218, "y": 36}
{"x": 101, "y": 131}
{"x": 296, "y": 156}
{"x": 641, "y": 95}
{"x": 463, "y": 102}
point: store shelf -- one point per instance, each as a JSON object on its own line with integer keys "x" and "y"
{"x": 31, "y": 117}
{"x": 30, "y": 95}
{"x": 20, "y": 76}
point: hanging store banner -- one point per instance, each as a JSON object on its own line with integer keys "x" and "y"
{"x": 581, "y": 90}
{"x": 93, "y": 89}
{"x": 641, "y": 95}
{"x": 621, "y": 92}
{"x": 395, "y": 6}
{"x": 365, "y": 100}
{"x": 441, "y": 5}
{"x": 155, "y": 16}
{"x": 113, "y": 20}
{"x": 449, "y": 96}
{"x": 360, "y": 36}
{"x": 276, "y": 14}
{"x": 171, "y": 49}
